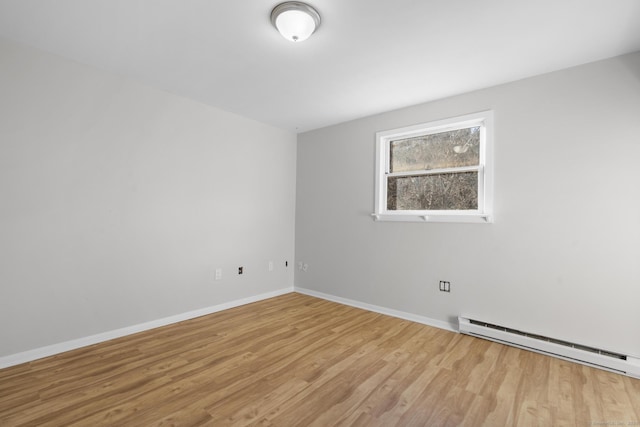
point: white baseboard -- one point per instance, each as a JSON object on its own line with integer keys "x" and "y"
{"x": 50, "y": 350}
{"x": 378, "y": 309}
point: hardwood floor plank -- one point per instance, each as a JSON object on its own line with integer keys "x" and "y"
{"x": 298, "y": 360}
{"x": 264, "y": 404}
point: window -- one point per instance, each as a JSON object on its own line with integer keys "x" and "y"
{"x": 436, "y": 172}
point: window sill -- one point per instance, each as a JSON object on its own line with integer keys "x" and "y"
{"x": 474, "y": 218}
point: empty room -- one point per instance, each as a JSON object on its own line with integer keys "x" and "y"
{"x": 329, "y": 213}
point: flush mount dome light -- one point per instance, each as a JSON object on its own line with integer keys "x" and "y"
{"x": 296, "y": 21}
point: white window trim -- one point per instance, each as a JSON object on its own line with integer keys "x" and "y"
{"x": 484, "y": 213}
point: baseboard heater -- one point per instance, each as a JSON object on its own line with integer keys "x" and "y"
{"x": 598, "y": 358}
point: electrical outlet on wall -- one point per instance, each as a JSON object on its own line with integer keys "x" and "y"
{"x": 218, "y": 274}
{"x": 445, "y": 286}
{"x": 240, "y": 270}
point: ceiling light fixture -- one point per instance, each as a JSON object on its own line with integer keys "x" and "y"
{"x": 296, "y": 21}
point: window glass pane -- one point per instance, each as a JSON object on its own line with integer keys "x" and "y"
{"x": 449, "y": 149}
{"x": 448, "y": 191}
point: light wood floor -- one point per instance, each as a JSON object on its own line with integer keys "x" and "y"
{"x": 301, "y": 361}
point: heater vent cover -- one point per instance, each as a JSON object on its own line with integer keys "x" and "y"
{"x": 598, "y": 358}
{"x": 552, "y": 340}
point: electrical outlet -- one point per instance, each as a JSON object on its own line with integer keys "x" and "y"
{"x": 270, "y": 266}
{"x": 445, "y": 286}
{"x": 305, "y": 266}
{"x": 240, "y": 270}
{"x": 286, "y": 263}
{"x": 218, "y": 275}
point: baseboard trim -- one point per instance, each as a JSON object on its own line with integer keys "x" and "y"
{"x": 51, "y": 350}
{"x": 379, "y": 309}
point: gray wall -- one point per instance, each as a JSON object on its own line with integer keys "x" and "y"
{"x": 117, "y": 202}
{"x": 563, "y": 256}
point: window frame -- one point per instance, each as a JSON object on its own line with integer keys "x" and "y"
{"x": 484, "y": 213}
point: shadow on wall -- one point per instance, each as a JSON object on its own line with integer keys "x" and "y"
{"x": 454, "y": 322}
{"x": 632, "y": 63}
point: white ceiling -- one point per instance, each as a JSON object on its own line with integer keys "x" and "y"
{"x": 367, "y": 57}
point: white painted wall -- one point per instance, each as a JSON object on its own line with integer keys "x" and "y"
{"x": 563, "y": 256}
{"x": 117, "y": 201}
